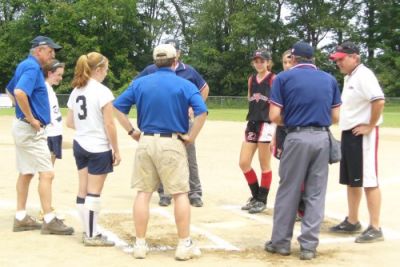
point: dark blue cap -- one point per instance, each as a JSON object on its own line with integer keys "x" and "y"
{"x": 302, "y": 49}
{"x": 173, "y": 42}
{"x": 44, "y": 40}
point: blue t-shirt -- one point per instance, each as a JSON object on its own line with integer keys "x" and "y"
{"x": 162, "y": 101}
{"x": 29, "y": 78}
{"x": 306, "y": 96}
{"x": 183, "y": 70}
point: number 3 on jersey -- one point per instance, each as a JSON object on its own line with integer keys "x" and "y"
{"x": 83, "y": 112}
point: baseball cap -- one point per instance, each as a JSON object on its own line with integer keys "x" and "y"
{"x": 164, "y": 51}
{"x": 302, "y": 49}
{"x": 173, "y": 42}
{"x": 343, "y": 50}
{"x": 44, "y": 40}
{"x": 261, "y": 53}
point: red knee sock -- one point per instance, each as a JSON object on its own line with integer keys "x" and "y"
{"x": 266, "y": 178}
{"x": 252, "y": 181}
{"x": 251, "y": 177}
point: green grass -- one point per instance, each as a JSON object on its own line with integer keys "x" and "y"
{"x": 391, "y": 114}
{"x": 227, "y": 114}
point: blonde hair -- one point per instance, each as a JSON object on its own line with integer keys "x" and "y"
{"x": 85, "y": 66}
{"x": 286, "y": 53}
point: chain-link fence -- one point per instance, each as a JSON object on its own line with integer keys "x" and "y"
{"x": 220, "y": 101}
{"x": 227, "y": 102}
{"x": 212, "y": 101}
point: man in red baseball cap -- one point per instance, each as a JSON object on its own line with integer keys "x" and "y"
{"x": 360, "y": 117}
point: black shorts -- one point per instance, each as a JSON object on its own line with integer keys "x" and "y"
{"x": 97, "y": 163}
{"x": 351, "y": 164}
{"x": 280, "y": 135}
{"x": 55, "y": 145}
{"x": 259, "y": 132}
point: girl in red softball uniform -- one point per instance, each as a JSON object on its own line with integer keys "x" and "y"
{"x": 259, "y": 132}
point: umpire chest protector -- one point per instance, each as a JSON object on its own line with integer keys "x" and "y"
{"x": 259, "y": 96}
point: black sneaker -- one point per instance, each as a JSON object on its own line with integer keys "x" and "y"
{"x": 249, "y": 203}
{"x": 299, "y": 218}
{"x": 271, "y": 249}
{"x": 164, "y": 202}
{"x": 196, "y": 202}
{"x": 306, "y": 254}
{"x": 346, "y": 227}
{"x": 370, "y": 235}
{"x": 258, "y": 206}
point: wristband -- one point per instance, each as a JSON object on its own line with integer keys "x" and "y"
{"x": 131, "y": 131}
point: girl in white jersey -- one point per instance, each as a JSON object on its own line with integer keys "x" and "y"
{"x": 53, "y": 73}
{"x": 95, "y": 143}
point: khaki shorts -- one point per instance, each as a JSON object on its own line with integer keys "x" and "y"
{"x": 161, "y": 159}
{"x": 32, "y": 153}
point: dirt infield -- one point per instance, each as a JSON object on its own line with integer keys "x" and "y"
{"x": 227, "y": 235}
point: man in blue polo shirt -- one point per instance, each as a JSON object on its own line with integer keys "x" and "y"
{"x": 162, "y": 100}
{"x": 28, "y": 90}
{"x": 309, "y": 99}
{"x": 189, "y": 73}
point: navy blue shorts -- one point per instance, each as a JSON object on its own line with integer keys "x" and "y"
{"x": 97, "y": 163}
{"x": 55, "y": 145}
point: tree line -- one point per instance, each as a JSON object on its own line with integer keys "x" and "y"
{"x": 217, "y": 36}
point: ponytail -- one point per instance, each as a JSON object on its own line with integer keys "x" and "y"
{"x": 85, "y": 65}
{"x": 82, "y": 72}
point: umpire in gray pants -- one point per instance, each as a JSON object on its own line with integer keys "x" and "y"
{"x": 309, "y": 99}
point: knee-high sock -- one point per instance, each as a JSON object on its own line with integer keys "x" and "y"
{"x": 251, "y": 178}
{"x": 80, "y": 206}
{"x": 92, "y": 205}
{"x": 266, "y": 178}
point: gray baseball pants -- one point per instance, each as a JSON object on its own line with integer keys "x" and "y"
{"x": 305, "y": 159}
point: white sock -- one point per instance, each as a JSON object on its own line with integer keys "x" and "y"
{"x": 93, "y": 206}
{"x": 48, "y": 217}
{"x": 20, "y": 215}
{"x": 185, "y": 241}
{"x": 140, "y": 241}
{"x": 81, "y": 212}
{"x": 91, "y": 222}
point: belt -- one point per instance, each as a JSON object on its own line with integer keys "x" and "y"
{"x": 159, "y": 134}
{"x": 25, "y": 120}
{"x": 170, "y": 135}
{"x": 307, "y": 128}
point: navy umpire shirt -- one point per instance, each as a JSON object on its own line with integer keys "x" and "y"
{"x": 306, "y": 96}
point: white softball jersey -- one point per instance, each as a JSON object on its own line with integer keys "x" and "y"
{"x": 360, "y": 88}
{"x": 87, "y": 103}
{"x": 55, "y": 127}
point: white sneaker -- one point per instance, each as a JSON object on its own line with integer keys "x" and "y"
{"x": 97, "y": 241}
{"x": 140, "y": 251}
{"x": 184, "y": 252}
